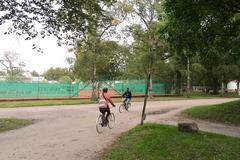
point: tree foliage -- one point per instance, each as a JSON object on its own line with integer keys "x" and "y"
{"x": 138, "y": 64}
{"x": 65, "y": 79}
{"x": 111, "y": 61}
{"x": 208, "y": 30}
{"x": 55, "y": 74}
{"x": 67, "y": 20}
{"x": 34, "y": 73}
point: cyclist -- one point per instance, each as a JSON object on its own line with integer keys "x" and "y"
{"x": 104, "y": 100}
{"x": 127, "y": 95}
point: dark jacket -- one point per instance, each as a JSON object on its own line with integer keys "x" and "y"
{"x": 127, "y": 94}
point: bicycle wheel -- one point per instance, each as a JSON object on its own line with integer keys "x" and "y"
{"x": 122, "y": 108}
{"x": 99, "y": 124}
{"x": 111, "y": 120}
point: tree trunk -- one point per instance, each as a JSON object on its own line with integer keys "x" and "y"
{"x": 146, "y": 92}
{"x": 215, "y": 86}
{"x": 148, "y": 84}
{"x": 188, "y": 77}
{"x": 238, "y": 90}
{"x": 178, "y": 83}
{"x": 222, "y": 88}
{"x": 150, "y": 96}
{"x": 94, "y": 76}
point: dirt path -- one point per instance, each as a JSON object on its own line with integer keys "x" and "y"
{"x": 68, "y": 132}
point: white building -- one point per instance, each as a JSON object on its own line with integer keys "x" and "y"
{"x": 232, "y": 85}
{"x": 32, "y": 79}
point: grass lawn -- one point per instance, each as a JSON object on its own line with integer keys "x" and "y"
{"x": 12, "y": 123}
{"x": 225, "y": 113}
{"x": 163, "y": 142}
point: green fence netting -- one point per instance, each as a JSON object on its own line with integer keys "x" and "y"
{"x": 139, "y": 87}
{"x": 37, "y": 90}
{"x": 85, "y": 86}
{"x": 136, "y": 86}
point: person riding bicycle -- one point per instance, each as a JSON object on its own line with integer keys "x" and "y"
{"x": 104, "y": 100}
{"x": 127, "y": 95}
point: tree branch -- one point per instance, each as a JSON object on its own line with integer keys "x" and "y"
{"x": 142, "y": 18}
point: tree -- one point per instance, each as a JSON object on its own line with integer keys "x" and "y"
{"x": 206, "y": 29}
{"x": 138, "y": 63}
{"x": 54, "y": 74}
{"x": 92, "y": 40}
{"x": 34, "y": 74}
{"x": 2, "y": 73}
{"x": 144, "y": 17}
{"x": 65, "y": 79}
{"x": 110, "y": 61}
{"x": 12, "y": 66}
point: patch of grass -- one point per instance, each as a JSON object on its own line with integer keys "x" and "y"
{"x": 29, "y": 103}
{"x": 225, "y": 113}
{"x": 231, "y": 94}
{"x": 15, "y": 104}
{"x": 12, "y": 123}
{"x": 209, "y": 95}
{"x": 168, "y": 98}
{"x": 200, "y": 94}
{"x": 163, "y": 142}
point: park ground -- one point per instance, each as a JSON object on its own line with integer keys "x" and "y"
{"x": 68, "y": 132}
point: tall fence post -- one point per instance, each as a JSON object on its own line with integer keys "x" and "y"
{"x": 38, "y": 89}
{"x": 70, "y": 89}
{"x": 122, "y": 87}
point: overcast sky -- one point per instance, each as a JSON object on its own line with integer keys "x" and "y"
{"x": 53, "y": 56}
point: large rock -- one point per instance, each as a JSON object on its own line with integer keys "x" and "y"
{"x": 188, "y": 127}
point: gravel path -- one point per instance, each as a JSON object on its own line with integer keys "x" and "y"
{"x": 68, "y": 132}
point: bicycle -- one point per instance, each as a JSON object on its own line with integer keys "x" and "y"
{"x": 122, "y": 107}
{"x": 102, "y": 123}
